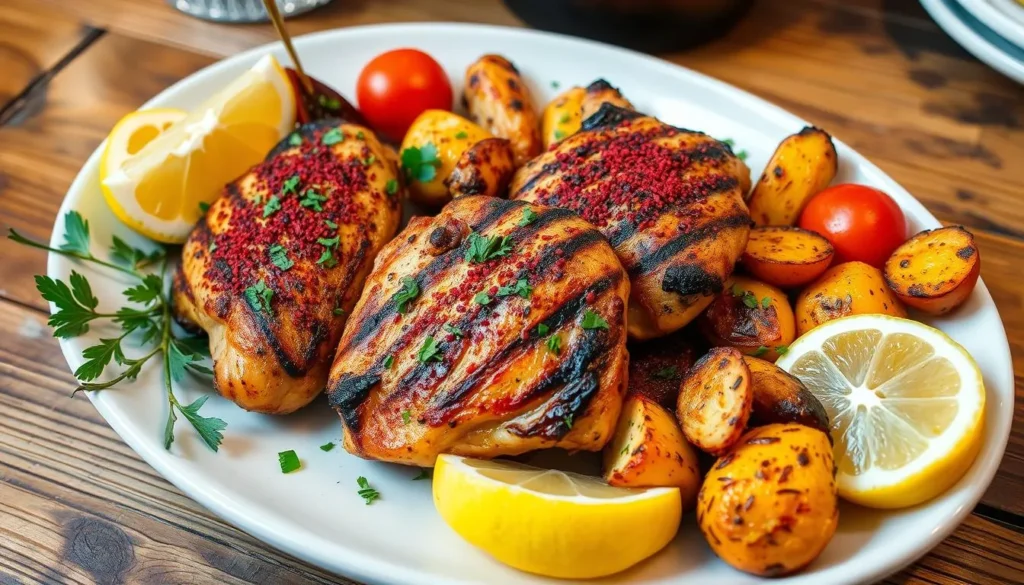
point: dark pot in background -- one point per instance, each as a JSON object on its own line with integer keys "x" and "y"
{"x": 653, "y": 26}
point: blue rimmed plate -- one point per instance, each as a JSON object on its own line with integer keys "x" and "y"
{"x": 977, "y": 38}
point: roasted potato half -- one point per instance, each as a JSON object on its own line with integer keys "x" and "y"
{"x": 563, "y": 115}
{"x": 715, "y": 400}
{"x": 497, "y": 99}
{"x": 750, "y": 316}
{"x": 803, "y": 165}
{"x": 850, "y": 288}
{"x": 484, "y": 169}
{"x": 936, "y": 270}
{"x": 769, "y": 505}
{"x": 657, "y": 367}
{"x": 430, "y": 151}
{"x": 780, "y": 397}
{"x": 648, "y": 450}
{"x": 601, "y": 92}
{"x": 786, "y": 256}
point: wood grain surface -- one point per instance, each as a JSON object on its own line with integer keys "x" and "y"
{"x": 78, "y": 506}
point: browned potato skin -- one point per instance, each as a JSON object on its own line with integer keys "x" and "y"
{"x": 769, "y": 506}
{"x": 850, "y": 288}
{"x": 484, "y": 169}
{"x": 786, "y": 256}
{"x": 757, "y": 330}
{"x": 601, "y": 92}
{"x": 452, "y": 135}
{"x": 498, "y": 100}
{"x": 649, "y": 450}
{"x": 803, "y": 165}
{"x": 562, "y": 116}
{"x": 715, "y": 400}
{"x": 780, "y": 397}
{"x": 936, "y": 270}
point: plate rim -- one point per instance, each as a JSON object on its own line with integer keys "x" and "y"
{"x": 993, "y": 18}
{"x": 372, "y": 570}
{"x": 942, "y": 12}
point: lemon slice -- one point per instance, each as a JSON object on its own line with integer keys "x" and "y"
{"x": 132, "y": 133}
{"x": 158, "y": 191}
{"x": 906, "y": 405}
{"x": 550, "y": 522}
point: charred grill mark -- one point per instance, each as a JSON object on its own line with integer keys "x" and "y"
{"x": 348, "y": 394}
{"x": 267, "y": 331}
{"x": 569, "y": 248}
{"x": 608, "y": 116}
{"x": 685, "y": 240}
{"x": 690, "y": 279}
{"x": 626, "y": 230}
{"x": 600, "y": 84}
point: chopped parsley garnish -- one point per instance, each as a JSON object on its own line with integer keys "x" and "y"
{"x": 360, "y": 135}
{"x": 272, "y": 206}
{"x": 330, "y": 224}
{"x": 204, "y": 207}
{"x": 327, "y": 258}
{"x": 543, "y": 329}
{"x": 782, "y": 349}
{"x": 420, "y": 164}
{"x": 742, "y": 155}
{"x": 279, "y": 256}
{"x": 391, "y": 187}
{"x": 592, "y": 320}
{"x": 430, "y": 351}
{"x": 729, "y": 141}
{"x": 750, "y": 301}
{"x": 312, "y": 199}
{"x": 766, "y": 302}
{"x": 565, "y": 118}
{"x": 529, "y": 216}
{"x": 328, "y": 102}
{"x": 295, "y": 139}
{"x": 406, "y": 417}
{"x": 555, "y": 85}
{"x": 409, "y": 291}
{"x": 259, "y": 296}
{"x": 289, "y": 461}
{"x": 388, "y": 361}
{"x": 369, "y": 160}
{"x": 760, "y": 351}
{"x": 567, "y": 419}
{"x": 559, "y": 134}
{"x": 482, "y": 298}
{"x": 454, "y": 330}
{"x": 521, "y": 288}
{"x": 327, "y": 446}
{"x": 461, "y": 135}
{"x": 339, "y": 311}
{"x": 332, "y": 137}
{"x": 213, "y": 245}
{"x": 424, "y": 474}
{"x": 365, "y": 491}
{"x": 745, "y": 296}
{"x": 554, "y": 344}
{"x": 669, "y": 373}
{"x": 482, "y": 249}
{"x": 290, "y": 185}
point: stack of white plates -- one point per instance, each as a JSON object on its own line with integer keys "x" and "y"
{"x": 991, "y": 30}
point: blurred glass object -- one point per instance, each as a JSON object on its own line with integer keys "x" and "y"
{"x": 239, "y": 11}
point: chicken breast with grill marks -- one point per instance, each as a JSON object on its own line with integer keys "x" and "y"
{"x": 670, "y": 201}
{"x": 272, "y": 269}
{"x": 495, "y": 328}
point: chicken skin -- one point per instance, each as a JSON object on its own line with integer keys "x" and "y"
{"x": 670, "y": 201}
{"x": 495, "y": 328}
{"x": 277, "y": 262}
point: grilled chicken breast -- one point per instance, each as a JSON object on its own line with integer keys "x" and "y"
{"x": 272, "y": 269}
{"x": 670, "y": 201}
{"x": 495, "y": 328}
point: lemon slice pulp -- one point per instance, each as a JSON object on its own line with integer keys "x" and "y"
{"x": 906, "y": 405}
{"x": 551, "y": 522}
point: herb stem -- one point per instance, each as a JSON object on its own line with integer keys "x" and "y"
{"x": 71, "y": 254}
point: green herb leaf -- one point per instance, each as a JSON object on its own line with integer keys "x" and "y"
{"x": 728, "y": 141}
{"x": 366, "y": 492}
{"x": 330, "y": 103}
{"x": 420, "y": 164}
{"x": 369, "y": 160}
{"x": 204, "y": 207}
{"x": 737, "y": 291}
{"x": 295, "y": 139}
{"x": 529, "y": 216}
{"x": 329, "y": 242}
{"x": 424, "y": 474}
{"x": 555, "y": 85}
{"x": 76, "y": 233}
{"x": 209, "y": 428}
{"x": 565, "y": 118}
{"x": 760, "y": 351}
{"x": 668, "y": 373}
{"x": 554, "y": 344}
{"x": 592, "y": 320}
{"x": 259, "y": 296}
{"x": 75, "y": 305}
{"x": 521, "y": 288}
{"x": 543, "y": 329}
{"x": 430, "y": 351}
{"x": 289, "y": 461}
{"x": 311, "y": 199}
{"x": 290, "y": 185}
{"x": 169, "y": 428}
{"x": 742, "y": 155}
{"x": 327, "y": 446}
{"x": 559, "y": 134}
{"x": 360, "y": 135}
{"x": 482, "y": 298}
{"x": 482, "y": 249}
{"x": 147, "y": 291}
{"x": 766, "y": 302}
{"x": 330, "y": 224}
{"x": 327, "y": 259}
{"x": 453, "y": 330}
{"x": 782, "y": 349}
{"x": 409, "y": 291}
{"x": 406, "y": 417}
{"x": 279, "y": 256}
{"x": 98, "y": 357}
{"x": 567, "y": 419}
{"x": 388, "y": 361}
{"x": 461, "y": 135}
{"x": 178, "y": 360}
{"x": 339, "y": 311}
{"x": 123, "y": 254}
{"x": 750, "y": 300}
{"x": 272, "y": 206}
{"x": 130, "y": 319}
{"x": 198, "y": 346}
{"x": 332, "y": 137}
{"x": 391, "y": 187}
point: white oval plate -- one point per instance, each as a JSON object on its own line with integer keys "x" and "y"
{"x": 977, "y": 39}
{"x": 315, "y": 513}
{"x": 993, "y": 17}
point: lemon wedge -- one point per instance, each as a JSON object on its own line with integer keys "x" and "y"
{"x": 132, "y": 133}
{"x": 906, "y": 404}
{"x": 550, "y": 522}
{"x": 159, "y": 190}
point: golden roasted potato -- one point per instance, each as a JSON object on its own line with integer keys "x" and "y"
{"x": 656, "y": 367}
{"x": 850, "y": 288}
{"x": 786, "y": 256}
{"x": 751, "y": 316}
{"x": 769, "y": 506}
{"x": 484, "y": 169}
{"x": 498, "y": 100}
{"x": 936, "y": 270}
{"x": 780, "y": 397}
{"x": 430, "y": 150}
{"x": 648, "y": 450}
{"x": 562, "y": 116}
{"x": 601, "y": 92}
{"x": 803, "y": 165}
{"x": 715, "y": 400}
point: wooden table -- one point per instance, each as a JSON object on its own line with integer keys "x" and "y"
{"x": 78, "y": 506}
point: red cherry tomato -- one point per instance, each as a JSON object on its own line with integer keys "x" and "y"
{"x": 862, "y": 223}
{"x": 399, "y": 85}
